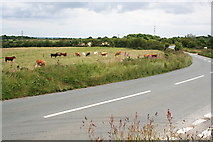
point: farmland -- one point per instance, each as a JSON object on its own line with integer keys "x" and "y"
{"x": 72, "y": 72}
{"x": 26, "y": 57}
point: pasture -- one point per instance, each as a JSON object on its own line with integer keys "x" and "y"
{"x": 26, "y": 57}
{"x": 72, "y": 72}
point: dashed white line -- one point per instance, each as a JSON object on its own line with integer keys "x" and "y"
{"x": 184, "y": 130}
{"x": 96, "y": 104}
{"x": 189, "y": 80}
{"x": 198, "y": 122}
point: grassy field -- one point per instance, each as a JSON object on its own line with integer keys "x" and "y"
{"x": 26, "y": 57}
{"x": 78, "y": 72}
{"x": 202, "y": 52}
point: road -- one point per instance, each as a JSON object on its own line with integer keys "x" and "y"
{"x": 58, "y": 116}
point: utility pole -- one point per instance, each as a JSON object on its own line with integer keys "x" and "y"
{"x": 22, "y": 33}
{"x": 154, "y": 29}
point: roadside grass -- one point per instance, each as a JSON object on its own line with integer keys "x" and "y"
{"x": 26, "y": 57}
{"x": 136, "y": 129}
{"x": 56, "y": 78}
{"x": 202, "y": 52}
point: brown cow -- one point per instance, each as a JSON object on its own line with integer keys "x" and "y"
{"x": 77, "y": 54}
{"x": 64, "y": 54}
{"x": 150, "y": 55}
{"x": 118, "y": 53}
{"x": 10, "y": 58}
{"x": 40, "y": 62}
{"x": 104, "y": 53}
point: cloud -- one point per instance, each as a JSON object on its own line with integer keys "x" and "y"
{"x": 53, "y": 9}
{"x": 84, "y": 19}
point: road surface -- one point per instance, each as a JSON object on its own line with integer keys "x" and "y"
{"x": 58, "y": 116}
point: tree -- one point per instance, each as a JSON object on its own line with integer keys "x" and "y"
{"x": 178, "y": 46}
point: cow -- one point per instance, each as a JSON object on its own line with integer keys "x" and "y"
{"x": 104, "y": 53}
{"x": 83, "y": 53}
{"x": 95, "y": 53}
{"x": 10, "y": 58}
{"x": 77, "y": 54}
{"x": 88, "y": 54}
{"x": 150, "y": 55}
{"x": 58, "y": 53}
{"x": 126, "y": 54}
{"x": 154, "y": 56}
{"x": 54, "y": 55}
{"x": 64, "y": 54}
{"x": 40, "y": 62}
{"x": 118, "y": 53}
{"x": 147, "y": 55}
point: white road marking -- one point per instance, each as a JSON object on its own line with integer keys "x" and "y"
{"x": 205, "y": 133}
{"x": 211, "y": 72}
{"x": 208, "y": 115}
{"x": 209, "y": 61}
{"x": 189, "y": 80}
{"x": 184, "y": 130}
{"x": 96, "y": 104}
{"x": 198, "y": 122}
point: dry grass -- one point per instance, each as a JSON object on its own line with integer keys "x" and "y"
{"x": 127, "y": 129}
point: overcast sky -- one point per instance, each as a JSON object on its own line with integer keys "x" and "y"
{"x": 99, "y": 19}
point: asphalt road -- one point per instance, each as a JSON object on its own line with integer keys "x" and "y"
{"x": 58, "y": 116}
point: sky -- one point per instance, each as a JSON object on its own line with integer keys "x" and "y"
{"x": 98, "y": 19}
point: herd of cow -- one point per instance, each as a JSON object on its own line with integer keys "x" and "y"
{"x": 42, "y": 62}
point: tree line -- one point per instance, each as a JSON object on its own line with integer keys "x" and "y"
{"x": 135, "y": 41}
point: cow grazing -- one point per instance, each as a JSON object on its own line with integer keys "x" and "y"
{"x": 154, "y": 56}
{"x": 118, "y": 53}
{"x": 58, "y": 53}
{"x": 64, "y": 54}
{"x": 54, "y": 55}
{"x": 88, "y": 54}
{"x": 10, "y": 58}
{"x": 126, "y": 54}
{"x": 104, "y": 53}
{"x": 40, "y": 62}
{"x": 150, "y": 55}
{"x": 83, "y": 53}
{"x": 95, "y": 53}
{"x": 77, "y": 54}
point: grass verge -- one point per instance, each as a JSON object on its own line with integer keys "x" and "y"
{"x": 56, "y": 78}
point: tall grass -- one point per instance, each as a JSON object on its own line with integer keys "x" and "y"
{"x": 56, "y": 78}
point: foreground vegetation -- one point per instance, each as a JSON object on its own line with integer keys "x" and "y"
{"x": 55, "y": 78}
{"x": 127, "y": 129}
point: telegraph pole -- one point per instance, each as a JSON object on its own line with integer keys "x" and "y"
{"x": 154, "y": 29}
{"x": 22, "y": 34}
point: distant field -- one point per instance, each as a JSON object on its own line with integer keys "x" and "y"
{"x": 26, "y": 57}
{"x": 202, "y": 52}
